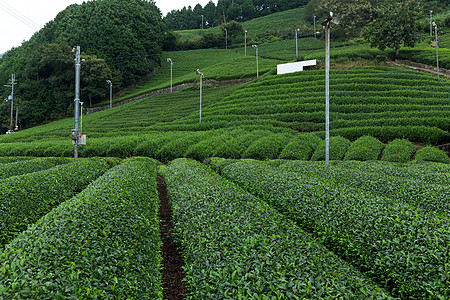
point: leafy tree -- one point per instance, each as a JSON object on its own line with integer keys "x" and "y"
{"x": 394, "y": 24}
{"x": 209, "y": 12}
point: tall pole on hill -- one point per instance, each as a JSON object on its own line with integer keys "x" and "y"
{"x": 171, "y": 68}
{"x": 202, "y": 21}
{"x": 75, "y": 133}
{"x": 201, "y": 82}
{"x": 245, "y": 41}
{"x": 315, "y": 35}
{"x": 226, "y": 38}
{"x": 110, "y": 92}
{"x": 437, "y": 51}
{"x": 327, "y": 25}
{"x": 12, "y": 81}
{"x": 296, "y": 43}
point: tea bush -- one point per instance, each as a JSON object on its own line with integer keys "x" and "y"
{"x": 102, "y": 244}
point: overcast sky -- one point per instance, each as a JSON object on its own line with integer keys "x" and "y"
{"x": 20, "y": 19}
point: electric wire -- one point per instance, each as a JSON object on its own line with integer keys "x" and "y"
{"x": 19, "y": 16}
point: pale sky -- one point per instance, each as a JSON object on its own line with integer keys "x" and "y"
{"x": 20, "y": 19}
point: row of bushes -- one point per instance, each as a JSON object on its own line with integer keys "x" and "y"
{"x": 30, "y": 165}
{"x": 102, "y": 244}
{"x": 25, "y": 199}
{"x": 237, "y": 247}
{"x": 253, "y": 143}
{"x": 400, "y": 246}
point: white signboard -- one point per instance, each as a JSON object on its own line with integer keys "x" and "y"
{"x": 295, "y": 67}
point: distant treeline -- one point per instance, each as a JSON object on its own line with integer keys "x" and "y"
{"x": 225, "y": 11}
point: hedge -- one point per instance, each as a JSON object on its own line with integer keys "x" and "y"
{"x": 399, "y": 150}
{"x": 301, "y": 147}
{"x": 364, "y": 148}
{"x": 102, "y": 244}
{"x": 402, "y": 247}
{"x": 338, "y": 148}
{"x": 237, "y": 247}
{"x": 431, "y": 153}
{"x": 25, "y": 199}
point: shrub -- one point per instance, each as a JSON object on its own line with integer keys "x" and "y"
{"x": 431, "y": 153}
{"x": 364, "y": 148}
{"x": 102, "y": 244}
{"x": 338, "y": 148}
{"x": 402, "y": 245}
{"x": 399, "y": 150}
{"x": 30, "y": 166}
{"x": 268, "y": 147}
{"x": 301, "y": 147}
{"x": 238, "y": 247}
{"x": 26, "y": 198}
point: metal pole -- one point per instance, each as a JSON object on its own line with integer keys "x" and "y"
{"x": 257, "y": 67}
{"x": 81, "y": 117}
{"x": 245, "y": 42}
{"x": 437, "y": 51}
{"x": 202, "y": 21}
{"x": 17, "y": 118}
{"x": 315, "y": 27}
{"x": 171, "y": 72}
{"x": 296, "y": 43}
{"x": 327, "y": 96}
{"x": 13, "y": 80}
{"x": 77, "y": 98}
{"x": 201, "y": 83}
{"x": 226, "y": 38}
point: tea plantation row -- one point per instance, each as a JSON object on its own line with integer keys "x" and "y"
{"x": 101, "y": 244}
{"x": 393, "y": 228}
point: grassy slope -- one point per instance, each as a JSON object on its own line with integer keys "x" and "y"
{"x": 286, "y": 19}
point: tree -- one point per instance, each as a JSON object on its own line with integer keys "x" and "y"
{"x": 394, "y": 24}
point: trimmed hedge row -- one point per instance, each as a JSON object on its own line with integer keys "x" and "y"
{"x": 25, "y": 199}
{"x": 399, "y": 150}
{"x": 403, "y": 248}
{"x": 433, "y": 154}
{"x": 237, "y": 247}
{"x": 102, "y": 244}
{"x": 301, "y": 147}
{"x": 338, "y": 148}
{"x": 364, "y": 148}
{"x": 30, "y": 166}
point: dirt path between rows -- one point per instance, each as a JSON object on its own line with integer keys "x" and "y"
{"x": 172, "y": 272}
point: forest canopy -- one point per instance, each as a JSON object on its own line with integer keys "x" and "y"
{"x": 118, "y": 39}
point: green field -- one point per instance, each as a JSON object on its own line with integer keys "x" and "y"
{"x": 257, "y": 214}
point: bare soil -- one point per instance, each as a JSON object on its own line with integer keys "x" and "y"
{"x": 173, "y": 263}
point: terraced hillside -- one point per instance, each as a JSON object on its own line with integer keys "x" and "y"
{"x": 257, "y": 119}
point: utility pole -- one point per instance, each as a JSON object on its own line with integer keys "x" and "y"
{"x": 327, "y": 25}
{"x": 226, "y": 38}
{"x": 437, "y": 51}
{"x": 245, "y": 41}
{"x": 257, "y": 64}
{"x": 110, "y": 92}
{"x": 16, "y": 128}
{"x": 171, "y": 73}
{"x": 12, "y": 81}
{"x": 75, "y": 133}
{"x": 201, "y": 82}
{"x": 202, "y": 21}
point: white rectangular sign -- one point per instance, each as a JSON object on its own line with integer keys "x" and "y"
{"x": 295, "y": 67}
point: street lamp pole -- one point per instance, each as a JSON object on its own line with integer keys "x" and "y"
{"x": 245, "y": 41}
{"x": 257, "y": 66}
{"x": 437, "y": 51}
{"x": 327, "y": 25}
{"x": 315, "y": 27}
{"x": 110, "y": 92}
{"x": 201, "y": 82}
{"x": 226, "y": 38}
{"x": 75, "y": 133}
{"x": 296, "y": 43}
{"x": 171, "y": 69}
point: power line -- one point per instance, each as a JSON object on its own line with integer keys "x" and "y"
{"x": 19, "y": 16}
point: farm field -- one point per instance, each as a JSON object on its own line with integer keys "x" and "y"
{"x": 256, "y": 212}
{"x": 325, "y": 232}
